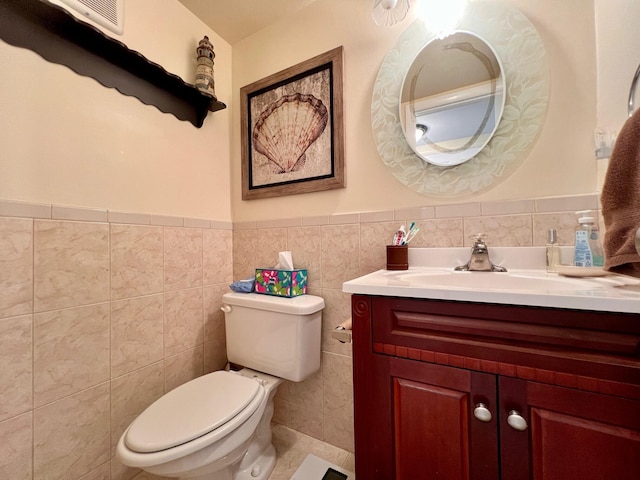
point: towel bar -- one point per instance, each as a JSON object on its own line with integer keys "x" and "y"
{"x": 632, "y": 91}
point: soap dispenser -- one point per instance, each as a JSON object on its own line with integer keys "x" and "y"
{"x": 588, "y": 249}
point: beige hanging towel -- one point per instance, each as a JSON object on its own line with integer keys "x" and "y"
{"x": 621, "y": 200}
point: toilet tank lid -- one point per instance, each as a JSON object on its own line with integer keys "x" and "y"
{"x": 300, "y": 305}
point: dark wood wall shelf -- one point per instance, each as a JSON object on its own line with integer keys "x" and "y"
{"x": 59, "y": 37}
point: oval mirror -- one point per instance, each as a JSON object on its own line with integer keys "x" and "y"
{"x": 452, "y": 99}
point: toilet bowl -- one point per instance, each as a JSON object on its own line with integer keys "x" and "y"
{"x": 181, "y": 435}
{"x": 218, "y": 426}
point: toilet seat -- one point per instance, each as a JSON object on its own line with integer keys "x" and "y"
{"x": 218, "y": 401}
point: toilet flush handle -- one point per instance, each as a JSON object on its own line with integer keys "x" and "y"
{"x": 226, "y": 308}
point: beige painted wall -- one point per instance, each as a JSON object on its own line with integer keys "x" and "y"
{"x": 618, "y": 52}
{"x": 71, "y": 141}
{"x": 561, "y": 163}
{"x": 67, "y": 140}
{"x": 617, "y": 39}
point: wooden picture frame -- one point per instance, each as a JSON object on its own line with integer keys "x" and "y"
{"x": 292, "y": 130}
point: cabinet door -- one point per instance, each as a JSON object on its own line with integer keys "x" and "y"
{"x": 572, "y": 434}
{"x": 436, "y": 434}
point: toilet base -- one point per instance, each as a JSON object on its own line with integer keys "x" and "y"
{"x": 260, "y": 470}
{"x": 259, "y": 458}
{"x": 258, "y": 462}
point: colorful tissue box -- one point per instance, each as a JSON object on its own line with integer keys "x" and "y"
{"x": 283, "y": 283}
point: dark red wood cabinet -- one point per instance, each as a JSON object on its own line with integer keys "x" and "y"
{"x": 455, "y": 391}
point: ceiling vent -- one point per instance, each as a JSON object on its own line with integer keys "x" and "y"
{"x": 107, "y": 13}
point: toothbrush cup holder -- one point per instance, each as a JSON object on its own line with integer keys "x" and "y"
{"x": 397, "y": 257}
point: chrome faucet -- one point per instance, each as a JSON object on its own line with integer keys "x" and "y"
{"x": 479, "y": 261}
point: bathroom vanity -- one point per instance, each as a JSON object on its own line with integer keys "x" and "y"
{"x": 526, "y": 375}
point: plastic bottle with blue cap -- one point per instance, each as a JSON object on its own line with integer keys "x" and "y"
{"x": 588, "y": 249}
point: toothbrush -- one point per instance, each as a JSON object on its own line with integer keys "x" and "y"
{"x": 412, "y": 233}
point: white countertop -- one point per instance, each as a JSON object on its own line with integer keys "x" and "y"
{"x": 431, "y": 276}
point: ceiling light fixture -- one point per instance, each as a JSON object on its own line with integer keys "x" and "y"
{"x": 420, "y": 131}
{"x": 441, "y": 16}
{"x": 389, "y": 12}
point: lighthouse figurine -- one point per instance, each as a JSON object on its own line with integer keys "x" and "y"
{"x": 204, "y": 70}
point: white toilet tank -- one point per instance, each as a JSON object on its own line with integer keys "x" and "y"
{"x": 275, "y": 335}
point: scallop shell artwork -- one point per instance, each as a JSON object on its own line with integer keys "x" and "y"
{"x": 287, "y": 128}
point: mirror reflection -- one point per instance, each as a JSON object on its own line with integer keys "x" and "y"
{"x": 452, "y": 99}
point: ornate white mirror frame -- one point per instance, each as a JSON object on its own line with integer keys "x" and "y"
{"x": 523, "y": 56}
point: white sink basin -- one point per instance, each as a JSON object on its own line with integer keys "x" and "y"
{"x": 503, "y": 281}
{"x": 431, "y": 276}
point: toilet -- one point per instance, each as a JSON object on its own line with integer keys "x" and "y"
{"x": 218, "y": 426}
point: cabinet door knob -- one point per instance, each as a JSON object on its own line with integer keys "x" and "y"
{"x": 482, "y": 413}
{"x": 517, "y": 421}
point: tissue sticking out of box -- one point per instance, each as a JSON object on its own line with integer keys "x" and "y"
{"x": 285, "y": 261}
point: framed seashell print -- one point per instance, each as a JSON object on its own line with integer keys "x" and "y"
{"x": 292, "y": 130}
